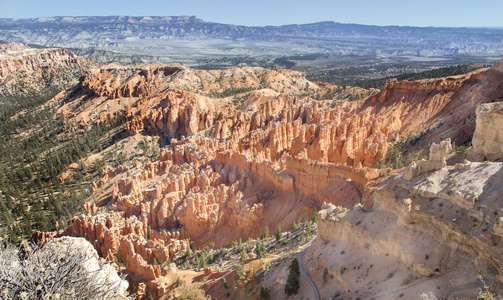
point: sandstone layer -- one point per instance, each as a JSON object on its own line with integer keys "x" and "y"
{"x": 488, "y": 137}
{"x": 434, "y": 235}
{"x": 26, "y": 71}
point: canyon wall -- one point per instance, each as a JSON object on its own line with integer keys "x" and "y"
{"x": 435, "y": 235}
{"x": 25, "y": 71}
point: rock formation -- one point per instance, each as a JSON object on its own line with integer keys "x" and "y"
{"x": 103, "y": 273}
{"x": 233, "y": 165}
{"x": 14, "y": 46}
{"x": 26, "y": 71}
{"x": 437, "y": 161}
{"x": 488, "y": 137}
{"x": 435, "y": 235}
{"x": 33, "y": 60}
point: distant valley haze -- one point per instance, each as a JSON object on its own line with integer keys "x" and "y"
{"x": 328, "y": 40}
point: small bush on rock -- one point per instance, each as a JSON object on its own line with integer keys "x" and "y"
{"x": 58, "y": 270}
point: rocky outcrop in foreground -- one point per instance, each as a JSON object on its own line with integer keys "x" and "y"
{"x": 488, "y": 137}
{"x": 427, "y": 238}
{"x": 64, "y": 267}
{"x": 434, "y": 233}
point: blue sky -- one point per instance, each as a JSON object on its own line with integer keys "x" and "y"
{"x": 459, "y": 13}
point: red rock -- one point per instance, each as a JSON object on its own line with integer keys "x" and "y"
{"x": 227, "y": 173}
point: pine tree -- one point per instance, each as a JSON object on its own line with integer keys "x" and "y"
{"x": 293, "y": 283}
{"x": 243, "y": 255}
{"x": 278, "y": 235}
{"x": 266, "y": 233}
{"x": 295, "y": 226}
{"x": 260, "y": 249}
{"x": 315, "y": 217}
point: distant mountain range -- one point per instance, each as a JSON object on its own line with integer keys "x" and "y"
{"x": 185, "y": 37}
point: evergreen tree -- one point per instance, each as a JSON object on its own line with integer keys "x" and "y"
{"x": 260, "y": 249}
{"x": 243, "y": 255}
{"x": 266, "y": 232}
{"x": 315, "y": 217}
{"x": 295, "y": 226}
{"x": 264, "y": 293}
{"x": 293, "y": 283}
{"x": 278, "y": 235}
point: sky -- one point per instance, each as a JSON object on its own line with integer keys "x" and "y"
{"x": 438, "y": 13}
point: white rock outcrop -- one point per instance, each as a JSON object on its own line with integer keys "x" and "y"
{"x": 103, "y": 273}
{"x": 488, "y": 137}
{"x": 436, "y": 161}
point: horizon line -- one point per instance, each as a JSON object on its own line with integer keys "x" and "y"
{"x": 290, "y": 24}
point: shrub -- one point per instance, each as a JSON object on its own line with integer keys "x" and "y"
{"x": 295, "y": 226}
{"x": 325, "y": 275}
{"x": 264, "y": 293}
{"x": 240, "y": 273}
{"x": 191, "y": 292}
{"x": 243, "y": 255}
{"x": 224, "y": 282}
{"x": 67, "y": 272}
{"x": 178, "y": 282}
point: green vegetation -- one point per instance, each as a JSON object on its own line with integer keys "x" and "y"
{"x": 325, "y": 275}
{"x": 295, "y": 226}
{"x": 240, "y": 273}
{"x": 243, "y": 255}
{"x": 399, "y": 153}
{"x": 435, "y": 73}
{"x": 35, "y": 272}
{"x": 460, "y": 150}
{"x": 264, "y": 293}
{"x": 260, "y": 249}
{"x": 266, "y": 233}
{"x": 315, "y": 217}
{"x": 224, "y": 283}
{"x": 232, "y": 92}
{"x": 292, "y": 283}
{"x": 278, "y": 235}
{"x": 35, "y": 149}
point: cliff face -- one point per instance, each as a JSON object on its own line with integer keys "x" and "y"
{"x": 173, "y": 113}
{"x": 435, "y": 235}
{"x": 24, "y": 70}
{"x": 146, "y": 81}
{"x": 488, "y": 138}
{"x": 13, "y": 47}
{"x": 30, "y": 60}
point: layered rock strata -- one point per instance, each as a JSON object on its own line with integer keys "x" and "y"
{"x": 488, "y": 137}
{"x": 436, "y": 235}
{"x": 437, "y": 160}
{"x": 25, "y": 71}
{"x": 227, "y": 173}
